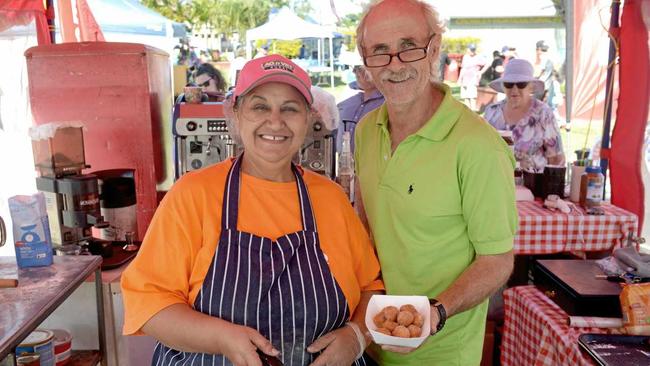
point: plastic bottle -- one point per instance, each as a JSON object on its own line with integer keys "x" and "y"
{"x": 346, "y": 167}
{"x": 591, "y": 187}
{"x": 519, "y": 175}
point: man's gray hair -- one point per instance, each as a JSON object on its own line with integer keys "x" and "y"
{"x": 434, "y": 23}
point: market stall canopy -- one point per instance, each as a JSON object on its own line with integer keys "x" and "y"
{"x": 286, "y": 25}
{"x": 131, "y": 17}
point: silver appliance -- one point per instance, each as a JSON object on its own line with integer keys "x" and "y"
{"x": 318, "y": 151}
{"x": 201, "y": 136}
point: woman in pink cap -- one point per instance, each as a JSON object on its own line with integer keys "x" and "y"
{"x": 536, "y": 136}
{"x": 254, "y": 258}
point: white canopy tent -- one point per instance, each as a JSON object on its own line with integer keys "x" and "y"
{"x": 286, "y": 25}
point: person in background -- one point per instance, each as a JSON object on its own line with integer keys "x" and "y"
{"x": 543, "y": 70}
{"x": 444, "y": 62}
{"x": 236, "y": 65}
{"x": 303, "y": 52}
{"x": 255, "y": 255}
{"x": 436, "y": 184}
{"x": 470, "y": 75}
{"x": 537, "y": 140}
{"x": 351, "y": 110}
{"x": 211, "y": 81}
{"x": 262, "y": 51}
{"x": 556, "y": 99}
{"x": 216, "y": 55}
{"x": 495, "y": 70}
{"x": 508, "y": 53}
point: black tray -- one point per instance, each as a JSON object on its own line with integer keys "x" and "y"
{"x": 616, "y": 350}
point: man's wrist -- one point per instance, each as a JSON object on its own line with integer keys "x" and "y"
{"x": 442, "y": 313}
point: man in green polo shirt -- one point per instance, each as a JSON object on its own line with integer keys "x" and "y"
{"x": 436, "y": 184}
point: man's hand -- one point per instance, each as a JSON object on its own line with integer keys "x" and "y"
{"x": 340, "y": 347}
{"x": 239, "y": 344}
{"x": 435, "y": 319}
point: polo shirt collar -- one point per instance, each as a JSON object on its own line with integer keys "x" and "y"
{"x": 442, "y": 121}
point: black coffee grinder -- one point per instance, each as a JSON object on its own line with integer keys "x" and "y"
{"x": 72, "y": 198}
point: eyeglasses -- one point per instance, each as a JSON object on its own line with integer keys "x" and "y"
{"x": 410, "y": 55}
{"x": 520, "y": 85}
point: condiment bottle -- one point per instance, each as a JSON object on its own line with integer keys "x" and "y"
{"x": 346, "y": 167}
{"x": 591, "y": 187}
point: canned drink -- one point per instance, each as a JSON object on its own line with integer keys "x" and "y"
{"x": 62, "y": 346}
{"x": 27, "y": 359}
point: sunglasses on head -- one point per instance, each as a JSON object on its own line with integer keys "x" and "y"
{"x": 520, "y": 85}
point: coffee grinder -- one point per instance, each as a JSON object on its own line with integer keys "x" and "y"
{"x": 72, "y": 198}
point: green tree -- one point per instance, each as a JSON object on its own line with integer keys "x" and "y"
{"x": 302, "y": 8}
{"x": 176, "y": 10}
{"x": 350, "y": 21}
{"x": 223, "y": 16}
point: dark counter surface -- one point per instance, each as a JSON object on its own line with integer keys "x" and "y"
{"x": 40, "y": 291}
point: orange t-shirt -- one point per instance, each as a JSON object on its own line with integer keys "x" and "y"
{"x": 182, "y": 238}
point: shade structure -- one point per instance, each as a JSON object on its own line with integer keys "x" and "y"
{"x": 286, "y": 25}
{"x": 131, "y": 17}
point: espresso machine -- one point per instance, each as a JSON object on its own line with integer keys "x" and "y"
{"x": 72, "y": 198}
{"x": 202, "y": 139}
{"x": 201, "y": 136}
{"x": 319, "y": 150}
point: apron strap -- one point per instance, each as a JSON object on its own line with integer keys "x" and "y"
{"x": 230, "y": 206}
{"x": 306, "y": 212}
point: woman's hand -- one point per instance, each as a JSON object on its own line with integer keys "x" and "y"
{"x": 239, "y": 344}
{"x": 340, "y": 347}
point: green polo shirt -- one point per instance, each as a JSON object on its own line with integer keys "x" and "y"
{"x": 444, "y": 196}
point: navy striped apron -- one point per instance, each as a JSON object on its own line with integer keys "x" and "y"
{"x": 282, "y": 288}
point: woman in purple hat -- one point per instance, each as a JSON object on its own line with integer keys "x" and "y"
{"x": 536, "y": 136}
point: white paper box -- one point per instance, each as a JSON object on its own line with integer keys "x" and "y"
{"x": 379, "y": 302}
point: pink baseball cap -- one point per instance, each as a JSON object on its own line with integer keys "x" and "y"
{"x": 272, "y": 68}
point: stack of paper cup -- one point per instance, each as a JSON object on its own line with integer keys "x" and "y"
{"x": 576, "y": 176}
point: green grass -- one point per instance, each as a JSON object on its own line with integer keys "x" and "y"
{"x": 581, "y": 136}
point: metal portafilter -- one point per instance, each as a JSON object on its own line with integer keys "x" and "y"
{"x": 130, "y": 246}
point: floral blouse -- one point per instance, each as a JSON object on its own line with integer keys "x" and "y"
{"x": 536, "y": 135}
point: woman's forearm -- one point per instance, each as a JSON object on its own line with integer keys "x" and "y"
{"x": 556, "y": 159}
{"x": 185, "y": 329}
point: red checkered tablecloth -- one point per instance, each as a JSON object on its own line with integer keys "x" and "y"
{"x": 535, "y": 331}
{"x": 542, "y": 231}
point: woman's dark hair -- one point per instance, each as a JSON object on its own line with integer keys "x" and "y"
{"x": 215, "y": 74}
